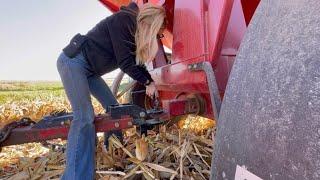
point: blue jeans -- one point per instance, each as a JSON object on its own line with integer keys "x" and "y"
{"x": 79, "y": 82}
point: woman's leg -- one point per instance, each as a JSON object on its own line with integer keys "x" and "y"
{"x": 81, "y": 137}
{"x": 101, "y": 91}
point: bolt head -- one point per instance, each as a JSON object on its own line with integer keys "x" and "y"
{"x": 116, "y": 125}
{"x": 142, "y": 114}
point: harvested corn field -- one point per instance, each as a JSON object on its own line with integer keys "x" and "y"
{"x": 182, "y": 150}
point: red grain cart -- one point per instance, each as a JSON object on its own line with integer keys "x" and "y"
{"x": 251, "y": 65}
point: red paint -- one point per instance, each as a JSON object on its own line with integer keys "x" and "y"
{"x": 29, "y": 134}
{"x": 202, "y": 30}
{"x": 249, "y": 8}
{"x": 175, "y": 107}
{"x": 44, "y": 134}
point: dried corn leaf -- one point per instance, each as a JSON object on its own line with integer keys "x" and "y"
{"x": 156, "y": 155}
{"x": 110, "y": 177}
{"x": 118, "y": 144}
{"x": 141, "y": 148}
{"x": 111, "y": 172}
{"x": 51, "y": 174}
{"x": 131, "y": 172}
{"x": 196, "y": 167}
{"x": 148, "y": 177}
{"x": 159, "y": 168}
{"x": 147, "y": 170}
{"x": 200, "y": 155}
{"x": 23, "y": 175}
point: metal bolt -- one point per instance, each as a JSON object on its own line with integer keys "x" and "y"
{"x": 65, "y": 123}
{"x": 142, "y": 114}
{"x": 116, "y": 125}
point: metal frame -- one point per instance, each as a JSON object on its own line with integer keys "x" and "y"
{"x": 59, "y": 127}
{"x": 51, "y": 127}
{"x": 212, "y": 84}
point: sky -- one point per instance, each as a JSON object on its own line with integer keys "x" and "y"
{"x": 33, "y": 33}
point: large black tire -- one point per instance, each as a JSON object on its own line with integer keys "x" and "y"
{"x": 270, "y": 117}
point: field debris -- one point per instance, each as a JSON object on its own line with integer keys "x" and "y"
{"x": 180, "y": 151}
{"x": 170, "y": 154}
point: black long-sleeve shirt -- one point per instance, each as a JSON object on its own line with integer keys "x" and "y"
{"x": 111, "y": 45}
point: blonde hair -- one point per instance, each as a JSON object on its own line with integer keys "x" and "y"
{"x": 149, "y": 21}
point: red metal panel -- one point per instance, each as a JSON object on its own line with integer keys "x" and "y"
{"x": 188, "y": 47}
{"x": 177, "y": 77}
{"x": 175, "y": 107}
{"x": 249, "y": 7}
{"x": 114, "y": 5}
{"x": 202, "y": 30}
{"x": 235, "y": 30}
{"x": 181, "y": 106}
{"x": 219, "y": 12}
{"x": 230, "y": 44}
{"x": 188, "y": 30}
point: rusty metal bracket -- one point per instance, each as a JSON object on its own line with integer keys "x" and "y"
{"x": 212, "y": 83}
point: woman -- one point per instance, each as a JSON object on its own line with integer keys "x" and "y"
{"x": 125, "y": 40}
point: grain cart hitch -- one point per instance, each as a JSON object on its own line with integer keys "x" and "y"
{"x": 56, "y": 126}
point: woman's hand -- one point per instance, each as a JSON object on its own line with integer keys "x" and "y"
{"x": 152, "y": 91}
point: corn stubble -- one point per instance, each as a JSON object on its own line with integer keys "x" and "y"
{"x": 182, "y": 151}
